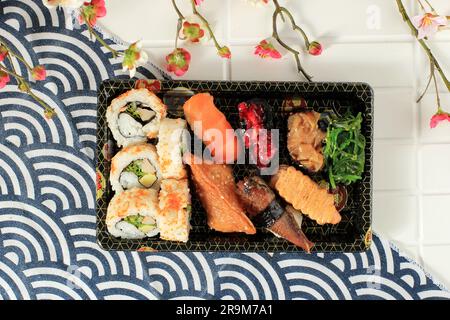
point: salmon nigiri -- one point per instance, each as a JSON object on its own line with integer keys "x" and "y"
{"x": 211, "y": 125}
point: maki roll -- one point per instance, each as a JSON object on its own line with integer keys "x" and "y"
{"x": 132, "y": 214}
{"x": 135, "y": 116}
{"x": 175, "y": 210}
{"x": 170, "y": 147}
{"x": 135, "y": 166}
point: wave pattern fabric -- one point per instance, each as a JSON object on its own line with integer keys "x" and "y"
{"x": 48, "y": 246}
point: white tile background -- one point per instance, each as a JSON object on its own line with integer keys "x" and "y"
{"x": 412, "y": 162}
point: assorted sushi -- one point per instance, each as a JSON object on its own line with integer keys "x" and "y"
{"x": 174, "y": 210}
{"x": 172, "y": 142}
{"x": 216, "y": 189}
{"x": 267, "y": 211}
{"x": 212, "y": 127}
{"x": 133, "y": 214}
{"x": 135, "y": 116}
{"x": 152, "y": 195}
{"x": 150, "y": 176}
{"x": 135, "y": 166}
{"x": 305, "y": 195}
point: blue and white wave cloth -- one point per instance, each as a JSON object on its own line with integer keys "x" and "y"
{"x": 48, "y": 247}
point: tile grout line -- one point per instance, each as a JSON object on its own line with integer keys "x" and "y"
{"x": 417, "y": 144}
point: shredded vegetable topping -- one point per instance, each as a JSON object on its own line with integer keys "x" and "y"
{"x": 132, "y": 110}
{"x": 344, "y": 150}
{"x": 135, "y": 167}
{"x": 137, "y": 221}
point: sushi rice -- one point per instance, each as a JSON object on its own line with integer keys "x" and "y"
{"x": 175, "y": 210}
{"x": 133, "y": 213}
{"x": 135, "y": 166}
{"x": 135, "y": 116}
{"x": 171, "y": 145}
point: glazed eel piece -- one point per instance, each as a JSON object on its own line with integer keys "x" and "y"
{"x": 265, "y": 210}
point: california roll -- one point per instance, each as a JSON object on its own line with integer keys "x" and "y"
{"x": 135, "y": 116}
{"x": 133, "y": 213}
{"x": 135, "y": 166}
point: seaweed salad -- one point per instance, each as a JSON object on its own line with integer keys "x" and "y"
{"x": 344, "y": 150}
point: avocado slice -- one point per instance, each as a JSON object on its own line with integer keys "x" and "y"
{"x": 148, "y": 180}
{"x": 147, "y": 227}
{"x": 135, "y": 220}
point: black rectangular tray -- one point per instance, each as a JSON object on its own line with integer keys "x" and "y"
{"x": 352, "y": 234}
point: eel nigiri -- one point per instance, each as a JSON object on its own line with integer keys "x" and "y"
{"x": 216, "y": 189}
{"x": 305, "y": 195}
{"x": 265, "y": 210}
{"x": 211, "y": 125}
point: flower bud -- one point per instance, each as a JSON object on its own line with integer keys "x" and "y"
{"x": 315, "y": 48}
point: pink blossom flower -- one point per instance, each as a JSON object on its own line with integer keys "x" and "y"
{"x": 93, "y": 10}
{"x": 178, "y": 61}
{"x": 133, "y": 57}
{"x": 39, "y": 73}
{"x": 224, "y": 52}
{"x": 439, "y": 117}
{"x": 193, "y": 20}
{"x": 266, "y": 49}
{"x": 428, "y": 24}
{"x": 315, "y": 48}
{"x": 198, "y": 2}
{"x": 192, "y": 31}
{"x": 3, "y": 52}
{"x": 4, "y": 79}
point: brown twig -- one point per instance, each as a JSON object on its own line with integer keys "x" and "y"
{"x": 92, "y": 32}
{"x": 279, "y": 10}
{"x": 15, "y": 55}
{"x": 208, "y": 27}
{"x": 25, "y": 86}
{"x": 179, "y": 24}
{"x": 438, "y": 99}
{"x": 428, "y": 83}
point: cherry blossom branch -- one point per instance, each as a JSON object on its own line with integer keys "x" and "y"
{"x": 208, "y": 27}
{"x": 430, "y": 78}
{"x": 422, "y": 42}
{"x": 438, "y": 99}
{"x": 191, "y": 29}
{"x": 179, "y": 24}
{"x": 180, "y": 15}
{"x": 92, "y": 32}
{"x": 279, "y": 10}
{"x": 23, "y": 84}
